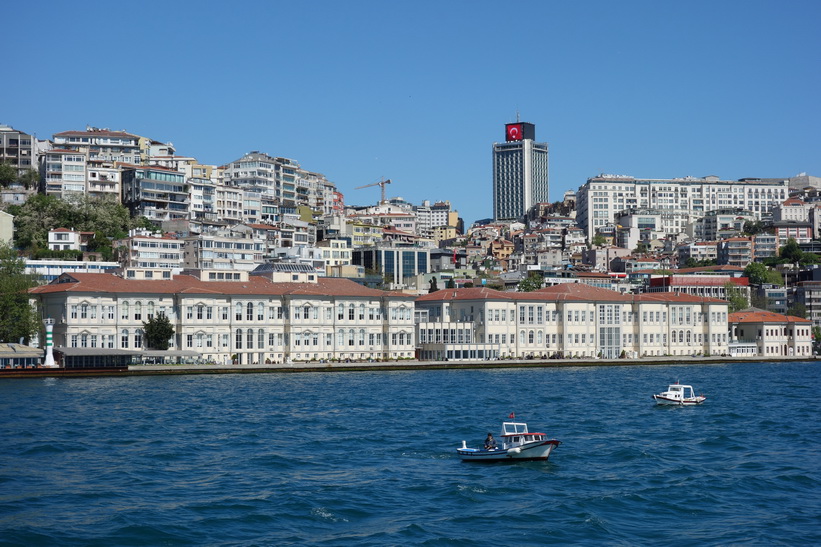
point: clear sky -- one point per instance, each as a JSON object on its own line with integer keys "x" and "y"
{"x": 418, "y": 91}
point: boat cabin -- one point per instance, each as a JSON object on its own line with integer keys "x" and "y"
{"x": 680, "y": 392}
{"x": 516, "y": 434}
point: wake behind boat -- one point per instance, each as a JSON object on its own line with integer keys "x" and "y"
{"x": 679, "y": 395}
{"x": 517, "y": 444}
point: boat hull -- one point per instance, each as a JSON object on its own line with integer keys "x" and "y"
{"x": 535, "y": 451}
{"x": 661, "y": 400}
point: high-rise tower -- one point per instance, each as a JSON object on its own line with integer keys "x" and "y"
{"x": 519, "y": 172}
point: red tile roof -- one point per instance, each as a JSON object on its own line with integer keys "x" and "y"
{"x": 755, "y": 315}
{"x": 186, "y": 284}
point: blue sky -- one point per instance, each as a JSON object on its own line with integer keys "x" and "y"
{"x": 418, "y": 91}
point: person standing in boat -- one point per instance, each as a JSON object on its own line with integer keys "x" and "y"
{"x": 490, "y": 442}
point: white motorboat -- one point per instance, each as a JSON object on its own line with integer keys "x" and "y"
{"x": 679, "y": 395}
{"x": 517, "y": 444}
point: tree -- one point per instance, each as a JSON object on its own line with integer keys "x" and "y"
{"x": 434, "y": 285}
{"x": 599, "y": 240}
{"x": 735, "y": 297}
{"x": 530, "y": 283}
{"x": 798, "y": 310}
{"x": 158, "y": 331}
{"x": 8, "y": 174}
{"x": 17, "y": 317}
{"x": 791, "y": 251}
{"x": 30, "y": 179}
{"x": 451, "y": 284}
{"x": 756, "y": 273}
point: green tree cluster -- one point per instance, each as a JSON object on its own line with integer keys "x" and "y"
{"x": 17, "y": 317}
{"x": 9, "y": 175}
{"x": 735, "y": 297}
{"x": 41, "y": 213}
{"x": 759, "y": 274}
{"x": 531, "y": 283}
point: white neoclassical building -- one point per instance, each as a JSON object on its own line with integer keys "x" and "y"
{"x": 567, "y": 320}
{"x": 272, "y": 316}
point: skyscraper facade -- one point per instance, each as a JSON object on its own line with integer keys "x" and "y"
{"x": 519, "y": 172}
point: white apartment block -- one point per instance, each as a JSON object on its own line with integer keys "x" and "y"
{"x": 223, "y": 251}
{"x": 163, "y": 256}
{"x": 65, "y": 173}
{"x": 251, "y": 320}
{"x": 567, "y": 320}
{"x": 601, "y": 198}
{"x": 102, "y": 145}
{"x": 282, "y": 178}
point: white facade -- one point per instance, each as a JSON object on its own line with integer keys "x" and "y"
{"x": 600, "y": 198}
{"x": 569, "y": 320}
{"x": 250, "y": 321}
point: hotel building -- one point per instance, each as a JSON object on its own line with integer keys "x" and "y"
{"x": 520, "y": 172}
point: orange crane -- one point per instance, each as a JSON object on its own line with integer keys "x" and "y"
{"x": 381, "y": 184}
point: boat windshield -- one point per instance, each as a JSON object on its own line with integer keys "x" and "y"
{"x": 510, "y": 428}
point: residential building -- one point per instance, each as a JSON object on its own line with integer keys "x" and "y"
{"x": 18, "y": 149}
{"x": 567, "y": 320}
{"x": 520, "y": 172}
{"x": 792, "y": 209}
{"x": 65, "y": 173}
{"x": 721, "y": 224}
{"x": 49, "y": 269}
{"x": 63, "y": 239}
{"x": 253, "y": 319}
{"x": 102, "y": 146}
{"x": 735, "y": 251}
{"x": 808, "y": 293}
{"x": 602, "y": 197}
{"x": 157, "y": 193}
{"x": 155, "y": 257}
{"x": 785, "y": 230}
{"x": 704, "y": 285}
{"x": 698, "y": 250}
{"x": 223, "y": 250}
{"x": 765, "y": 246}
{"x": 393, "y": 263}
{"x": 6, "y": 228}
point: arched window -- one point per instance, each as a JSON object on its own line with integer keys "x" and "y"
{"x": 361, "y": 312}
{"x": 351, "y": 334}
{"x": 260, "y": 311}
{"x": 530, "y": 338}
{"x": 306, "y": 311}
{"x": 260, "y": 338}
{"x": 681, "y": 336}
{"x": 151, "y": 310}
{"x": 539, "y": 338}
{"x": 340, "y": 311}
{"x": 521, "y": 337}
{"x": 124, "y": 310}
{"x": 351, "y": 312}
{"x": 138, "y": 339}
{"x": 249, "y": 338}
{"x": 238, "y": 311}
{"x": 249, "y": 311}
{"x": 124, "y": 339}
{"x": 138, "y": 311}
{"x": 239, "y": 339}
{"x": 361, "y": 337}
{"x": 688, "y": 336}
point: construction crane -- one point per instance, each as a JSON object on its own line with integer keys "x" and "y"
{"x": 381, "y": 184}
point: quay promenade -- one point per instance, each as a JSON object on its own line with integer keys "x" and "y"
{"x": 144, "y": 370}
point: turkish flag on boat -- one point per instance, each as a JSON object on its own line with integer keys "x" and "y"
{"x": 512, "y": 416}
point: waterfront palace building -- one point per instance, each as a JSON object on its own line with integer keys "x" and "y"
{"x": 269, "y": 316}
{"x": 568, "y": 320}
{"x": 601, "y": 199}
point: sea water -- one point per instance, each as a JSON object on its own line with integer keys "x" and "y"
{"x": 369, "y": 458}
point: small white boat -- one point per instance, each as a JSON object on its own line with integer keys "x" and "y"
{"x": 517, "y": 444}
{"x": 679, "y": 395}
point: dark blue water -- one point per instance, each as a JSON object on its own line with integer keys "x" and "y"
{"x": 369, "y": 458}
